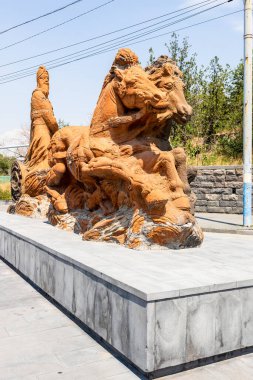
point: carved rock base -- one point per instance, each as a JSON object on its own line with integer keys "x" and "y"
{"x": 34, "y": 207}
{"x": 128, "y": 227}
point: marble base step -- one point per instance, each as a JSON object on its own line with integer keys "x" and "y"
{"x": 161, "y": 310}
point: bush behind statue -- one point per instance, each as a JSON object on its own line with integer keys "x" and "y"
{"x": 215, "y": 92}
{"x": 5, "y": 192}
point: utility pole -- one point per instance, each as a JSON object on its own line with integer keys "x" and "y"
{"x": 247, "y": 115}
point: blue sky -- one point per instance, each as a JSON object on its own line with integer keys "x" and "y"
{"x": 74, "y": 88}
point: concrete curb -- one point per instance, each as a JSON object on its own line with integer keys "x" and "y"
{"x": 231, "y": 231}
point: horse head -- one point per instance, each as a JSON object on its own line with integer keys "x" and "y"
{"x": 165, "y": 74}
{"x": 137, "y": 91}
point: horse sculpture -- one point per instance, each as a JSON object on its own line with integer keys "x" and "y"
{"x": 115, "y": 181}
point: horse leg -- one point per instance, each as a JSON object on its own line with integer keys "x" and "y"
{"x": 180, "y": 162}
{"x": 165, "y": 164}
{"x": 186, "y": 174}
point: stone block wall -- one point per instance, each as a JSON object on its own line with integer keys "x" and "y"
{"x": 219, "y": 189}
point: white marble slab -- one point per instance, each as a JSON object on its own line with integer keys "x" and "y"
{"x": 223, "y": 261}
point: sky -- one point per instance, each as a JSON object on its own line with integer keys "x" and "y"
{"x": 74, "y": 88}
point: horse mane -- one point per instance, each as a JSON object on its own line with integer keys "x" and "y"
{"x": 124, "y": 59}
{"x": 159, "y": 63}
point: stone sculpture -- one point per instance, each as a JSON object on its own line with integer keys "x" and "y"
{"x": 119, "y": 180}
{"x": 28, "y": 177}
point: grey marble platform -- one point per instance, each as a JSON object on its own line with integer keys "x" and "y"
{"x": 159, "y": 309}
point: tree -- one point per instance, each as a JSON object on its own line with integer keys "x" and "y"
{"x": 232, "y": 142}
{"x": 5, "y": 164}
{"x": 216, "y": 96}
{"x": 193, "y": 79}
{"x": 62, "y": 123}
{"x": 215, "y": 100}
{"x": 151, "y": 57}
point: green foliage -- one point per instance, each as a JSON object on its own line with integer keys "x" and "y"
{"x": 62, "y": 123}
{"x": 5, "y": 195}
{"x": 5, "y": 164}
{"x": 215, "y": 93}
{"x": 232, "y": 143}
{"x": 193, "y": 79}
{"x": 151, "y": 56}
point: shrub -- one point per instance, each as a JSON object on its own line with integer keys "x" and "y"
{"x": 5, "y": 192}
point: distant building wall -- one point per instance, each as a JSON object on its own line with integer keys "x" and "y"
{"x": 219, "y": 189}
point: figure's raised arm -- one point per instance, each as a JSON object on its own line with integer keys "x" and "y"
{"x": 118, "y": 121}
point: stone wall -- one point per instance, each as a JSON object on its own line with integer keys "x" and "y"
{"x": 219, "y": 189}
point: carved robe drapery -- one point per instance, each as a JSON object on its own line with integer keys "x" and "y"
{"x": 43, "y": 126}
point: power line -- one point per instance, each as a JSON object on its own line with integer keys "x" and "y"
{"x": 41, "y": 16}
{"x": 113, "y": 48}
{"x": 56, "y": 26}
{"x": 107, "y": 34}
{"x": 134, "y": 43}
{"x": 10, "y": 75}
{"x": 61, "y": 60}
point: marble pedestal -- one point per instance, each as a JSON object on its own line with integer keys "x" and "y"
{"x": 162, "y": 310}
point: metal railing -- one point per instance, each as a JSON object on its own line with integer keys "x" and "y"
{"x": 14, "y": 146}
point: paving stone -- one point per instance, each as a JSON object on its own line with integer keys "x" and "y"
{"x": 222, "y": 222}
{"x": 95, "y": 371}
{"x": 125, "y": 376}
{"x": 239, "y": 368}
{"x": 3, "y": 333}
{"x": 84, "y": 356}
{"x": 37, "y": 341}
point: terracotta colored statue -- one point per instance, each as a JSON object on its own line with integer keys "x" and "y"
{"x": 43, "y": 123}
{"x": 28, "y": 177}
{"x": 119, "y": 180}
